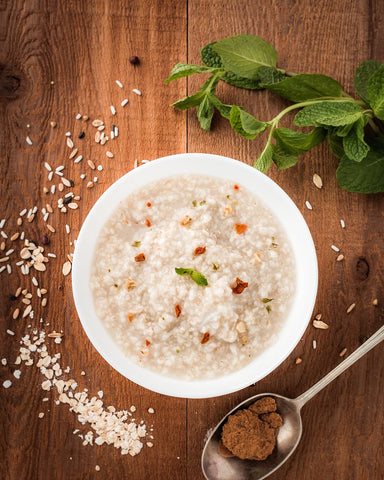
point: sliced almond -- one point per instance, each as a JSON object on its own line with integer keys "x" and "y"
{"x": 67, "y": 268}
{"x": 317, "y": 180}
{"x": 320, "y": 324}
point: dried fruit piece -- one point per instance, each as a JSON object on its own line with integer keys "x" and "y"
{"x": 140, "y": 257}
{"x": 239, "y": 287}
{"x": 199, "y": 250}
{"x": 240, "y": 228}
{"x": 177, "y": 310}
{"x": 205, "y": 338}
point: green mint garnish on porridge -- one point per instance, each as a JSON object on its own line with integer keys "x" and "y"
{"x": 196, "y": 276}
{"x": 267, "y": 300}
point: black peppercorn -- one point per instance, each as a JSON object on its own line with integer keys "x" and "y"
{"x": 44, "y": 240}
{"x": 81, "y": 134}
{"x": 134, "y": 60}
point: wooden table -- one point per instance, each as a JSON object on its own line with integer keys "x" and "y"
{"x": 61, "y": 58}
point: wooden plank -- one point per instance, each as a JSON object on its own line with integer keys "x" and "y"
{"x": 343, "y": 426}
{"x": 83, "y": 47}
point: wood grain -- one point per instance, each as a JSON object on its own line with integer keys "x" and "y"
{"x": 83, "y": 47}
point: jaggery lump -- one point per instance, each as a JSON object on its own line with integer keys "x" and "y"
{"x": 250, "y": 434}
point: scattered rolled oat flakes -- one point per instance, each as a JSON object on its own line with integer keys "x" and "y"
{"x": 375, "y": 302}
{"x": 317, "y": 180}
{"x": 343, "y": 352}
{"x": 308, "y": 205}
{"x": 7, "y": 383}
{"x": 298, "y": 360}
{"x": 340, "y": 258}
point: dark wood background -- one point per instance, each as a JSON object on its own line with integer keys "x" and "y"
{"x": 83, "y": 47}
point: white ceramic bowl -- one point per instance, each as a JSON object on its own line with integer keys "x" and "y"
{"x": 295, "y": 227}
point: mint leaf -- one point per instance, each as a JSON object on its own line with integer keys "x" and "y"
{"x": 225, "y": 110}
{"x": 297, "y": 143}
{"x": 268, "y": 76}
{"x": 245, "y": 124}
{"x": 184, "y": 271}
{"x": 306, "y": 86}
{"x": 376, "y": 92}
{"x": 185, "y": 69}
{"x": 366, "y": 176}
{"x": 205, "y": 113}
{"x": 196, "y": 276}
{"x": 355, "y": 147}
{"x": 199, "y": 278}
{"x": 363, "y": 73}
{"x": 264, "y": 161}
{"x": 343, "y": 130}
{"x": 282, "y": 158}
{"x": 328, "y": 113}
{"x": 266, "y": 300}
{"x": 189, "y": 102}
{"x": 245, "y": 54}
{"x": 212, "y": 59}
{"x": 335, "y": 144}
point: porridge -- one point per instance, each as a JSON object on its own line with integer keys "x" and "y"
{"x": 192, "y": 276}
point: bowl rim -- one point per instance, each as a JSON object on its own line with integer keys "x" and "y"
{"x": 295, "y": 228}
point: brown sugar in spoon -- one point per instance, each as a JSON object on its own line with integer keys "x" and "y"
{"x": 216, "y": 466}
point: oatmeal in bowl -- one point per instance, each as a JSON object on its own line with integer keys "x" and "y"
{"x": 194, "y": 275}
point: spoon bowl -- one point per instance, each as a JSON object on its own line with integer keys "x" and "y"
{"x": 215, "y": 466}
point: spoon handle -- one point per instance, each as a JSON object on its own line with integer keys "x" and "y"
{"x": 356, "y": 355}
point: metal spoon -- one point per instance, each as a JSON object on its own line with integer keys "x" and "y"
{"x": 217, "y": 467}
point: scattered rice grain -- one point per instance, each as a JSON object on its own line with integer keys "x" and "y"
{"x": 351, "y": 307}
{"x": 124, "y": 102}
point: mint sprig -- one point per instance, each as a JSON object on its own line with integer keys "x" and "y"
{"x": 196, "y": 276}
{"x": 249, "y": 62}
